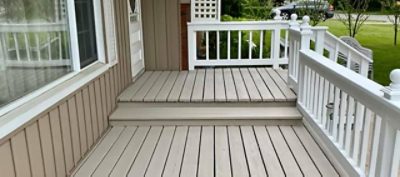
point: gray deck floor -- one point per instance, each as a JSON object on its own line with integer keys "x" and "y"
{"x": 220, "y": 151}
{"x": 211, "y": 85}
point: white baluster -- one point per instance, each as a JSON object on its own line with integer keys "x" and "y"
{"x": 250, "y": 45}
{"x": 261, "y": 44}
{"x": 240, "y": 45}
{"x": 393, "y": 91}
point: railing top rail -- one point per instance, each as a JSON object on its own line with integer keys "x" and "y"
{"x": 33, "y": 27}
{"x": 366, "y": 91}
{"x": 239, "y": 25}
{"x": 352, "y": 49}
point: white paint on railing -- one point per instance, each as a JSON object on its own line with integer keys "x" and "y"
{"x": 352, "y": 114}
{"x": 393, "y": 91}
{"x": 396, "y": 157}
{"x": 196, "y": 30}
{"x": 325, "y": 40}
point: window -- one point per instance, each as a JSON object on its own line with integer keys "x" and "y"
{"x": 86, "y": 31}
{"x": 36, "y": 45}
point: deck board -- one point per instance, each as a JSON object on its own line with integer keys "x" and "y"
{"x": 211, "y": 85}
{"x": 220, "y": 151}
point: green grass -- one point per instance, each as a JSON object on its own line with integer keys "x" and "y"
{"x": 379, "y": 38}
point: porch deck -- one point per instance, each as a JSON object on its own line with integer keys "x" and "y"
{"x": 187, "y": 151}
{"x": 211, "y": 85}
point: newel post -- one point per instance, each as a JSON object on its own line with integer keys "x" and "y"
{"x": 306, "y": 33}
{"x": 276, "y": 41}
{"x": 192, "y": 47}
{"x": 393, "y": 91}
{"x": 294, "y": 27}
{"x": 389, "y": 131}
{"x": 293, "y": 24}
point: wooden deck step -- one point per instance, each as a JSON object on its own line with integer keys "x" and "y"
{"x": 205, "y": 115}
{"x": 210, "y": 151}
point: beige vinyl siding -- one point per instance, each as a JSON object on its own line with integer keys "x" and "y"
{"x": 161, "y": 34}
{"x": 53, "y": 143}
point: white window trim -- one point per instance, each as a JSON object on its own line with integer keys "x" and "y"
{"x": 98, "y": 18}
{"x": 110, "y": 31}
{"x": 74, "y": 56}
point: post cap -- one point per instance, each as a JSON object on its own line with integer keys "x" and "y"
{"x": 393, "y": 91}
{"x": 293, "y": 17}
{"x": 395, "y": 78}
{"x": 277, "y": 14}
{"x": 306, "y": 19}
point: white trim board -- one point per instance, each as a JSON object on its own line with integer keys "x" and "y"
{"x": 16, "y": 118}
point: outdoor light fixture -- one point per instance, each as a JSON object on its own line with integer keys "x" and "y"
{"x": 329, "y": 114}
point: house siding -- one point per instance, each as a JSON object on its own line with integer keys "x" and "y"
{"x": 53, "y": 143}
{"x": 161, "y": 33}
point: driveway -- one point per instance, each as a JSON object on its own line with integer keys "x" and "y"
{"x": 371, "y": 19}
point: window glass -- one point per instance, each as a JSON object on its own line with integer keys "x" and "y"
{"x": 86, "y": 31}
{"x": 34, "y": 46}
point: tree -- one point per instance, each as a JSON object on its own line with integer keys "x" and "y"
{"x": 354, "y": 15}
{"x": 314, "y": 9}
{"x": 256, "y": 9}
{"x": 392, "y": 7}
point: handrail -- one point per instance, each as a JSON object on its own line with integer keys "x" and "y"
{"x": 351, "y": 115}
{"x": 256, "y": 53}
{"x": 330, "y": 35}
{"x": 335, "y": 46}
{"x": 300, "y": 37}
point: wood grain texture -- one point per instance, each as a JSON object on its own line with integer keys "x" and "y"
{"x": 212, "y": 151}
{"x": 210, "y": 85}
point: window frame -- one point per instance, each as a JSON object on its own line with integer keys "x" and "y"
{"x": 74, "y": 49}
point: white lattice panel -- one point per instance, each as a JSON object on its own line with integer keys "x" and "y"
{"x": 205, "y": 10}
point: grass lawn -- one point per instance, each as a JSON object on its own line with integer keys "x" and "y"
{"x": 379, "y": 38}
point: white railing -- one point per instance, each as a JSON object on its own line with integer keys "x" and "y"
{"x": 238, "y": 43}
{"x": 337, "y": 49}
{"x": 359, "y": 126}
{"x": 31, "y": 45}
{"x": 300, "y": 37}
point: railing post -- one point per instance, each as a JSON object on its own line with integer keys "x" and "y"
{"x": 387, "y": 137}
{"x": 276, "y": 42}
{"x": 320, "y": 39}
{"x": 192, "y": 47}
{"x": 393, "y": 91}
{"x": 293, "y": 24}
{"x": 293, "y": 52}
{"x": 306, "y": 33}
